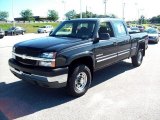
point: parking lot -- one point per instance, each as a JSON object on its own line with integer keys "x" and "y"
{"x": 119, "y": 92}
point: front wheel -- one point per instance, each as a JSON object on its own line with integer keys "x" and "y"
{"x": 22, "y": 32}
{"x": 138, "y": 58}
{"x": 79, "y": 80}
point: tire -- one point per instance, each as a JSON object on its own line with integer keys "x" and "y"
{"x": 22, "y": 33}
{"x": 79, "y": 80}
{"x": 157, "y": 41}
{"x": 138, "y": 58}
{"x": 1, "y": 37}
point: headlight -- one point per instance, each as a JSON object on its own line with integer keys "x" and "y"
{"x": 50, "y": 56}
{"x": 13, "y": 50}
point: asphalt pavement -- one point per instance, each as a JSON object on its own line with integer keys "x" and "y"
{"x": 118, "y": 92}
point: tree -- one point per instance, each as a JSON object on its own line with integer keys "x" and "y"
{"x": 87, "y": 14}
{"x": 27, "y": 15}
{"x": 53, "y": 15}
{"x": 155, "y": 19}
{"x": 112, "y": 16}
{"x": 71, "y": 14}
{"x": 142, "y": 20}
{"x": 3, "y": 15}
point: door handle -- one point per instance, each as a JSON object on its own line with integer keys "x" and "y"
{"x": 114, "y": 43}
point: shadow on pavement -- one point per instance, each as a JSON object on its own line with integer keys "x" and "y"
{"x": 19, "y": 99}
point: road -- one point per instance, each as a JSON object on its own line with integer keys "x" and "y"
{"x": 119, "y": 92}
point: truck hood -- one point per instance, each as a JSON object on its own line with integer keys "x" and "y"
{"x": 47, "y": 44}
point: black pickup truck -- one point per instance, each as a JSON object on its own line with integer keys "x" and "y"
{"x": 71, "y": 54}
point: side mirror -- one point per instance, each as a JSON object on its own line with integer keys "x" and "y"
{"x": 104, "y": 36}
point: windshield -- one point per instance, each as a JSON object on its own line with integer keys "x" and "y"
{"x": 75, "y": 29}
{"x": 134, "y": 28}
{"x": 152, "y": 31}
{"x": 12, "y": 28}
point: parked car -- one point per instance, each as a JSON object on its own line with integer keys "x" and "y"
{"x": 15, "y": 31}
{"x": 45, "y": 29}
{"x": 153, "y": 35}
{"x": 141, "y": 28}
{"x": 70, "y": 58}
{"x": 1, "y": 33}
{"x": 135, "y": 29}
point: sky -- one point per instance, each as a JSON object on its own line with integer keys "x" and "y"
{"x": 133, "y": 8}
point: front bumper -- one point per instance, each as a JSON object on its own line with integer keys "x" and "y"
{"x": 153, "y": 39}
{"x": 45, "y": 77}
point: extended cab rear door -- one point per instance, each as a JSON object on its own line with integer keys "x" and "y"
{"x": 106, "y": 51}
{"x": 123, "y": 40}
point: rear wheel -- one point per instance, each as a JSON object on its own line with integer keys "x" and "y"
{"x": 79, "y": 80}
{"x": 138, "y": 58}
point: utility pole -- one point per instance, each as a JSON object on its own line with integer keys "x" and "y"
{"x": 123, "y": 11}
{"x": 105, "y": 2}
{"x": 80, "y": 8}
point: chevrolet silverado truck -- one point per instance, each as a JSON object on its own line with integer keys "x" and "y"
{"x": 71, "y": 54}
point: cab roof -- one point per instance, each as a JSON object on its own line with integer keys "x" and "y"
{"x": 97, "y": 19}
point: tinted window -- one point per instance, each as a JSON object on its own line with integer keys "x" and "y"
{"x": 120, "y": 29}
{"x": 105, "y": 27}
{"x": 76, "y": 29}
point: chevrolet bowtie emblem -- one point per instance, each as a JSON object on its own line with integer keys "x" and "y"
{"x": 23, "y": 56}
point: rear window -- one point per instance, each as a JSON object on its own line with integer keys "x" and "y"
{"x": 120, "y": 28}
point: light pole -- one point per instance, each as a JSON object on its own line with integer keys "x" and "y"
{"x": 13, "y": 15}
{"x": 105, "y": 2}
{"x": 64, "y": 5}
{"x": 136, "y": 4}
{"x": 123, "y": 11}
{"x": 80, "y": 8}
{"x": 140, "y": 15}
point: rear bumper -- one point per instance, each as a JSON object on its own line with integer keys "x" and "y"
{"x": 45, "y": 77}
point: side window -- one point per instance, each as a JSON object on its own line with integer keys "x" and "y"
{"x": 17, "y": 28}
{"x": 120, "y": 29}
{"x": 105, "y": 27}
{"x": 85, "y": 30}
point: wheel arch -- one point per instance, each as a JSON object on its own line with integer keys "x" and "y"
{"x": 87, "y": 60}
{"x": 142, "y": 46}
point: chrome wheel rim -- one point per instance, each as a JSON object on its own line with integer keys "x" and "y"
{"x": 81, "y": 81}
{"x": 139, "y": 57}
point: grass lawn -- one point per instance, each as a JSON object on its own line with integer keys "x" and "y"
{"x": 30, "y": 27}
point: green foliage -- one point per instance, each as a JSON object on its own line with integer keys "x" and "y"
{"x": 53, "y": 15}
{"x": 88, "y": 14}
{"x": 142, "y": 20}
{"x": 3, "y": 15}
{"x": 112, "y": 16}
{"x": 155, "y": 19}
{"x": 71, "y": 14}
{"x": 27, "y": 15}
{"x": 29, "y": 27}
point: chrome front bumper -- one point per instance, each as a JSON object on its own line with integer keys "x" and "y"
{"x": 55, "y": 78}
